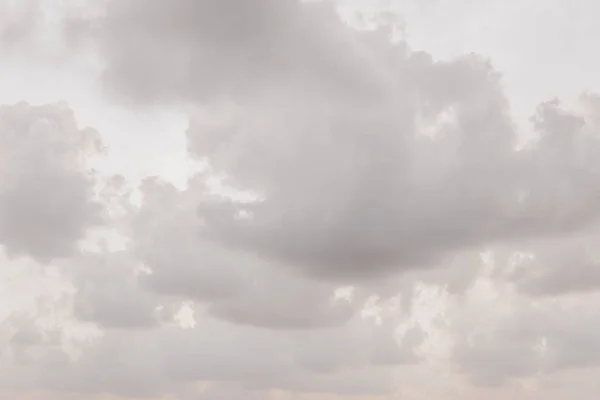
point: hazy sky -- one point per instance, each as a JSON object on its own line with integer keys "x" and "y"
{"x": 284, "y": 200}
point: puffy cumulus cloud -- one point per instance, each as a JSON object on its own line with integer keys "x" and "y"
{"x": 47, "y": 200}
{"x": 353, "y": 192}
{"x": 258, "y": 326}
{"x": 372, "y": 170}
{"x": 367, "y": 157}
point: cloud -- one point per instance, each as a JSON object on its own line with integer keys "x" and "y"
{"x": 108, "y": 293}
{"x": 257, "y": 325}
{"x": 558, "y": 268}
{"x": 46, "y": 191}
{"x": 369, "y": 158}
{"x": 208, "y": 48}
{"x": 502, "y": 334}
{"x": 238, "y": 285}
{"x": 18, "y": 22}
{"x": 356, "y": 192}
{"x": 158, "y": 361}
{"x": 368, "y": 169}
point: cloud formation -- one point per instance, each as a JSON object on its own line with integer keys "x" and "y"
{"x": 363, "y": 213}
{"x": 368, "y": 157}
{"x": 18, "y": 21}
{"x": 47, "y": 198}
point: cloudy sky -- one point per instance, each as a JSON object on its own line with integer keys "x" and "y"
{"x": 299, "y": 200}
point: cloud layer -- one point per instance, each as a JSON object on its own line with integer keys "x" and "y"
{"x": 364, "y": 213}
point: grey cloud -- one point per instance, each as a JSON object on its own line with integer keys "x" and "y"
{"x": 18, "y": 21}
{"x": 204, "y": 49}
{"x": 166, "y": 238}
{"x": 566, "y": 273}
{"x": 27, "y": 345}
{"x": 571, "y": 276}
{"x": 345, "y": 203}
{"x": 277, "y": 299}
{"x": 562, "y": 266}
{"x": 108, "y": 293}
{"x": 226, "y": 391}
{"x": 369, "y": 159}
{"x": 332, "y": 128}
{"x": 26, "y": 335}
{"x": 46, "y": 191}
{"x": 388, "y": 352}
{"x": 570, "y": 337}
{"x": 236, "y": 285}
{"x": 500, "y": 354}
{"x": 545, "y": 337}
{"x": 155, "y": 362}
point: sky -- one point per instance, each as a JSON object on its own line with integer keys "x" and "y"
{"x": 299, "y": 200}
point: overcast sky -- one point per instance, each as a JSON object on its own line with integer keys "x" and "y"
{"x": 288, "y": 200}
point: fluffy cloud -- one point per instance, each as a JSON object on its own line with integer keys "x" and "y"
{"x": 355, "y": 169}
{"x": 202, "y": 50}
{"x": 238, "y": 285}
{"x": 353, "y": 192}
{"x": 368, "y": 158}
{"x": 46, "y": 190}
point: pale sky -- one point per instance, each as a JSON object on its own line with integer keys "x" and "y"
{"x": 265, "y": 200}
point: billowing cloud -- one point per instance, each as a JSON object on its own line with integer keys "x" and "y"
{"x": 238, "y": 285}
{"x": 368, "y": 157}
{"x": 352, "y": 192}
{"x": 364, "y": 215}
{"x": 46, "y": 190}
{"x": 201, "y": 50}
